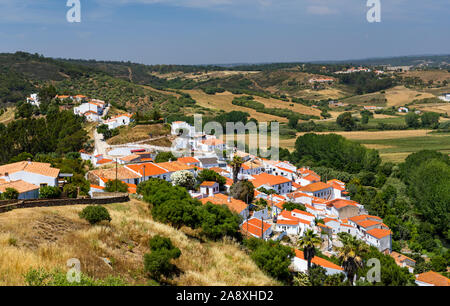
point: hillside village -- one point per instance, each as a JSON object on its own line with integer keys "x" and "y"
{"x": 323, "y": 207}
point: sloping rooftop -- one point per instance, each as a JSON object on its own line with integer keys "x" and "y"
{"x": 220, "y": 199}
{"x": 433, "y": 278}
{"x": 44, "y": 169}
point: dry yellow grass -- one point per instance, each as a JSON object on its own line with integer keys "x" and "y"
{"x": 434, "y": 107}
{"x": 48, "y": 237}
{"x": 223, "y": 101}
{"x": 138, "y": 133}
{"x": 401, "y": 95}
{"x": 328, "y": 93}
{"x": 7, "y": 116}
{"x": 431, "y": 75}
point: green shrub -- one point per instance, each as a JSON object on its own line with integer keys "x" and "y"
{"x": 49, "y": 192}
{"x": 158, "y": 262}
{"x": 10, "y": 194}
{"x": 116, "y": 186}
{"x": 95, "y": 214}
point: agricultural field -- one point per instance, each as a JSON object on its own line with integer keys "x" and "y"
{"x": 223, "y": 101}
{"x": 430, "y": 75}
{"x": 46, "y": 238}
{"x": 400, "y": 95}
{"x": 393, "y": 145}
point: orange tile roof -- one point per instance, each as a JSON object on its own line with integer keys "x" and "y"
{"x": 433, "y": 278}
{"x": 20, "y": 186}
{"x": 175, "y": 166}
{"x": 97, "y": 187}
{"x": 255, "y": 226}
{"x": 151, "y": 169}
{"x": 315, "y": 187}
{"x": 287, "y": 222}
{"x": 367, "y": 223}
{"x": 297, "y": 211}
{"x": 336, "y": 185}
{"x": 311, "y": 177}
{"x": 295, "y": 185}
{"x": 379, "y": 233}
{"x": 363, "y": 217}
{"x": 110, "y": 174}
{"x": 129, "y": 158}
{"x": 221, "y": 199}
{"x": 399, "y": 258}
{"x": 208, "y": 184}
{"x": 319, "y": 261}
{"x": 188, "y": 160}
{"x": 268, "y": 179}
{"x": 212, "y": 142}
{"x": 104, "y": 161}
{"x": 44, "y": 169}
{"x": 340, "y": 203}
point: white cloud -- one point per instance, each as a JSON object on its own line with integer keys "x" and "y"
{"x": 320, "y": 10}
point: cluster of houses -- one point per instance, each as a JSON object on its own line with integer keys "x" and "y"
{"x": 445, "y": 97}
{"x": 326, "y": 206}
{"x": 28, "y": 177}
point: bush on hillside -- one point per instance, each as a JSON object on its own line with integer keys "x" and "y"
{"x": 95, "y": 214}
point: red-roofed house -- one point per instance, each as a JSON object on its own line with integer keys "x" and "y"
{"x": 237, "y": 206}
{"x": 301, "y": 264}
{"x": 318, "y": 190}
{"x": 257, "y": 228}
{"x": 380, "y": 238}
{"x": 209, "y": 188}
{"x": 432, "y": 278}
{"x": 280, "y": 184}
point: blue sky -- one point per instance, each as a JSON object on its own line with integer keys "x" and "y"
{"x": 225, "y": 31}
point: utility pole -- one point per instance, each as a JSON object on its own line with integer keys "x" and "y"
{"x": 262, "y": 227}
{"x": 116, "y": 175}
{"x": 144, "y": 173}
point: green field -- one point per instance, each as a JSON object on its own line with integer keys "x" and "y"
{"x": 396, "y": 150}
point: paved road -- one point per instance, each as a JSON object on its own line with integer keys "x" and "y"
{"x": 100, "y": 145}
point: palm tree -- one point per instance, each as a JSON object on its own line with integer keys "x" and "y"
{"x": 351, "y": 254}
{"x": 308, "y": 243}
{"x": 236, "y": 164}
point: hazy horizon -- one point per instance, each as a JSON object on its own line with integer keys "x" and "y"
{"x": 222, "y": 32}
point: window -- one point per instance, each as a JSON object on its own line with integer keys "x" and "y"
{"x": 43, "y": 185}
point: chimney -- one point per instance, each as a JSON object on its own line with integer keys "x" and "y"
{"x": 29, "y": 160}
{"x": 229, "y": 199}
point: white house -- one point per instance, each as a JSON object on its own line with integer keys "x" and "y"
{"x": 403, "y": 110}
{"x": 445, "y": 97}
{"x": 209, "y": 189}
{"x": 257, "y": 228}
{"x": 237, "y": 206}
{"x": 281, "y": 185}
{"x": 26, "y": 190}
{"x": 34, "y": 100}
{"x": 300, "y": 264}
{"x": 318, "y": 190}
{"x": 117, "y": 121}
{"x": 39, "y": 174}
{"x": 432, "y": 278}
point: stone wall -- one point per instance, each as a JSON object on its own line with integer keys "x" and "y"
{"x": 16, "y": 204}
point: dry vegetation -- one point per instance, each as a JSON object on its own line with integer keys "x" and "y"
{"x": 48, "y": 237}
{"x": 7, "y": 116}
{"x": 223, "y": 101}
{"x": 430, "y": 75}
{"x": 401, "y": 95}
{"x": 137, "y": 133}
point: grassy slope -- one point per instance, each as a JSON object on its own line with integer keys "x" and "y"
{"x": 48, "y": 237}
{"x": 393, "y": 145}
